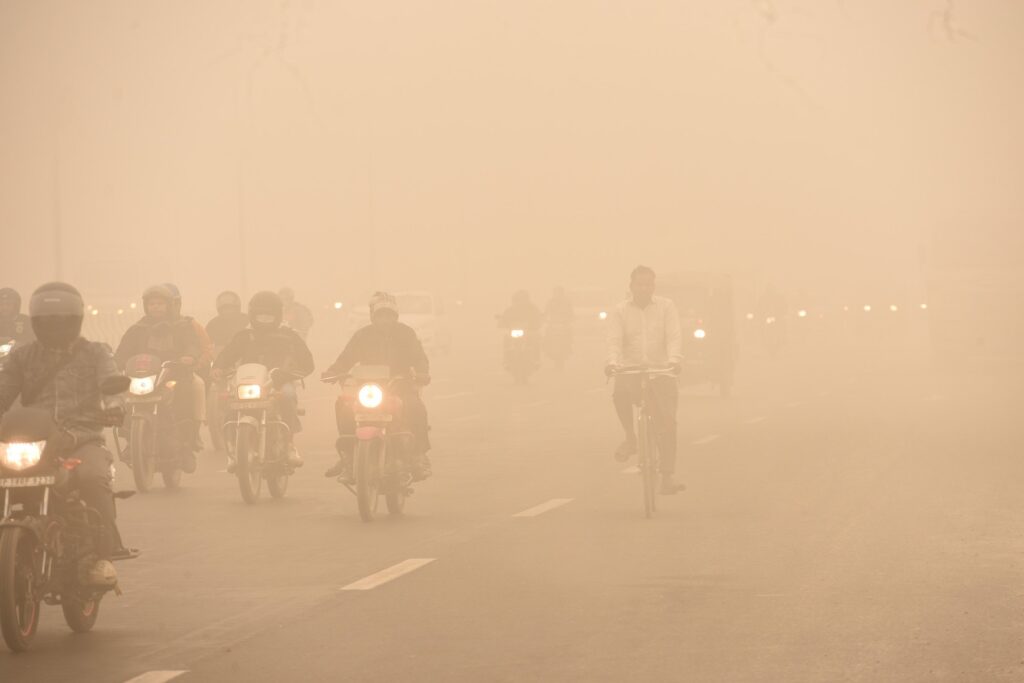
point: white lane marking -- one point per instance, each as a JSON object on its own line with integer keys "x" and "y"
{"x": 156, "y": 676}
{"x": 631, "y": 470}
{"x": 705, "y": 440}
{"x": 389, "y": 574}
{"x": 446, "y": 397}
{"x": 755, "y": 420}
{"x": 464, "y": 418}
{"x": 543, "y": 507}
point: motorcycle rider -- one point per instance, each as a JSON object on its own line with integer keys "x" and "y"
{"x": 229, "y": 320}
{"x": 645, "y": 330}
{"x": 524, "y": 315}
{"x": 202, "y": 364}
{"x": 296, "y": 316}
{"x": 171, "y": 338}
{"x": 14, "y": 325}
{"x": 62, "y": 372}
{"x": 385, "y": 341}
{"x": 269, "y": 343}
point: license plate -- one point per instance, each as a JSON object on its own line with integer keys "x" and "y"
{"x": 21, "y": 482}
{"x": 373, "y": 418}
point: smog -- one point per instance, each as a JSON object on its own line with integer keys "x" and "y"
{"x": 465, "y": 341}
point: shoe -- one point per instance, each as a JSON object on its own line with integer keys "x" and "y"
{"x": 669, "y": 486}
{"x": 188, "y": 462}
{"x": 102, "y": 574}
{"x": 339, "y": 468}
{"x": 626, "y": 450}
{"x": 294, "y": 459}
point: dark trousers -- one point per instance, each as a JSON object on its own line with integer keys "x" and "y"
{"x": 94, "y": 482}
{"x": 662, "y": 402}
{"x": 413, "y": 417}
{"x": 288, "y": 408}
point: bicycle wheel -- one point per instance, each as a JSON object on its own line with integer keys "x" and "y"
{"x": 646, "y": 462}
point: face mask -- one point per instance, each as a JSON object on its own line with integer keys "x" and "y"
{"x": 266, "y": 319}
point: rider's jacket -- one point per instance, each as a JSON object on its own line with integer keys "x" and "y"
{"x": 223, "y": 328}
{"x": 17, "y": 327}
{"x": 168, "y": 339}
{"x": 398, "y": 347}
{"x": 525, "y": 316}
{"x": 279, "y": 348}
{"x": 645, "y": 336}
{"x": 559, "y": 311}
{"x": 64, "y": 382}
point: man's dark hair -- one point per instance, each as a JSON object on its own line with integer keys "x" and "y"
{"x": 641, "y": 270}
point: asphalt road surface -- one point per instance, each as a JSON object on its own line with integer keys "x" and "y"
{"x": 857, "y": 520}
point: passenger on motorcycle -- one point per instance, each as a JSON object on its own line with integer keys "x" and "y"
{"x": 559, "y": 308}
{"x": 14, "y": 325}
{"x": 645, "y": 330}
{"x": 385, "y": 341}
{"x": 61, "y": 372}
{"x": 229, "y": 320}
{"x": 269, "y": 343}
{"x": 296, "y": 315}
{"x": 172, "y": 338}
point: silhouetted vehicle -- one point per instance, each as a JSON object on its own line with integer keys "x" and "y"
{"x": 520, "y": 354}
{"x": 707, "y": 318}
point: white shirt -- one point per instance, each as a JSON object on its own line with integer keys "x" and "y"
{"x": 645, "y": 336}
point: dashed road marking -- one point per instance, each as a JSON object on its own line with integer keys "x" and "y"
{"x": 543, "y": 507}
{"x": 447, "y": 397}
{"x": 704, "y": 440}
{"x": 633, "y": 469}
{"x": 156, "y": 676}
{"x": 388, "y": 575}
{"x": 755, "y": 420}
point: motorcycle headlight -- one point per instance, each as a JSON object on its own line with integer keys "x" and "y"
{"x": 5, "y": 349}
{"x": 21, "y": 456}
{"x": 249, "y": 392}
{"x": 699, "y": 334}
{"x": 603, "y": 315}
{"x": 371, "y": 396}
{"x": 141, "y": 386}
{"x": 516, "y": 334}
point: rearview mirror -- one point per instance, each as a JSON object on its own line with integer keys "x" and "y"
{"x": 115, "y": 384}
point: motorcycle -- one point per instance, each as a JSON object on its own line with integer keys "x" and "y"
{"x": 48, "y": 536}
{"x": 155, "y": 442}
{"x": 257, "y": 439}
{"x": 5, "y": 350}
{"x": 520, "y": 354}
{"x": 217, "y": 397}
{"x": 381, "y": 459}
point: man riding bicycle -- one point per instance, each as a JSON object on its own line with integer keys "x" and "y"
{"x": 644, "y": 331}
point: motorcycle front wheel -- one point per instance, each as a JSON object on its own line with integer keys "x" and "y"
{"x": 247, "y": 468}
{"x": 140, "y": 441}
{"x": 19, "y": 608}
{"x": 367, "y": 471}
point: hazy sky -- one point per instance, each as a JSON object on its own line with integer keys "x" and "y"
{"x": 497, "y": 145}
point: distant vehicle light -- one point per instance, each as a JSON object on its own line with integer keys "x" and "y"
{"x": 603, "y": 315}
{"x": 120, "y": 311}
{"x": 801, "y": 313}
{"x": 867, "y": 308}
{"x": 924, "y": 307}
{"x": 5, "y": 349}
{"x": 516, "y": 334}
{"x": 699, "y": 333}
{"x": 133, "y": 305}
{"x": 338, "y": 305}
{"x": 894, "y": 308}
{"x": 95, "y": 311}
{"x": 770, "y": 320}
{"x": 750, "y": 316}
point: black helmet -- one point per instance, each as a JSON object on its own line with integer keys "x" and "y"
{"x": 265, "y": 311}
{"x": 228, "y": 299}
{"x": 8, "y": 294}
{"x": 56, "y": 309}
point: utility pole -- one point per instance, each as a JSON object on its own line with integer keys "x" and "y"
{"x": 58, "y": 236}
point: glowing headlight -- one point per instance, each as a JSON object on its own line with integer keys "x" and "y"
{"x": 699, "y": 334}
{"x": 801, "y": 313}
{"x": 750, "y": 316}
{"x": 516, "y": 334}
{"x": 371, "y": 396}
{"x": 21, "y": 456}
{"x": 338, "y": 305}
{"x": 5, "y": 349}
{"x": 249, "y": 392}
{"x": 603, "y": 315}
{"x": 141, "y": 386}
{"x": 770, "y": 320}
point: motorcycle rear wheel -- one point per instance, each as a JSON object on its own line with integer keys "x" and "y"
{"x": 19, "y": 609}
{"x": 80, "y": 614}
{"x": 142, "y": 458}
{"x": 367, "y": 471}
{"x": 250, "y": 480}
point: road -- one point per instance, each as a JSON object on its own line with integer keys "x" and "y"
{"x": 853, "y": 521}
